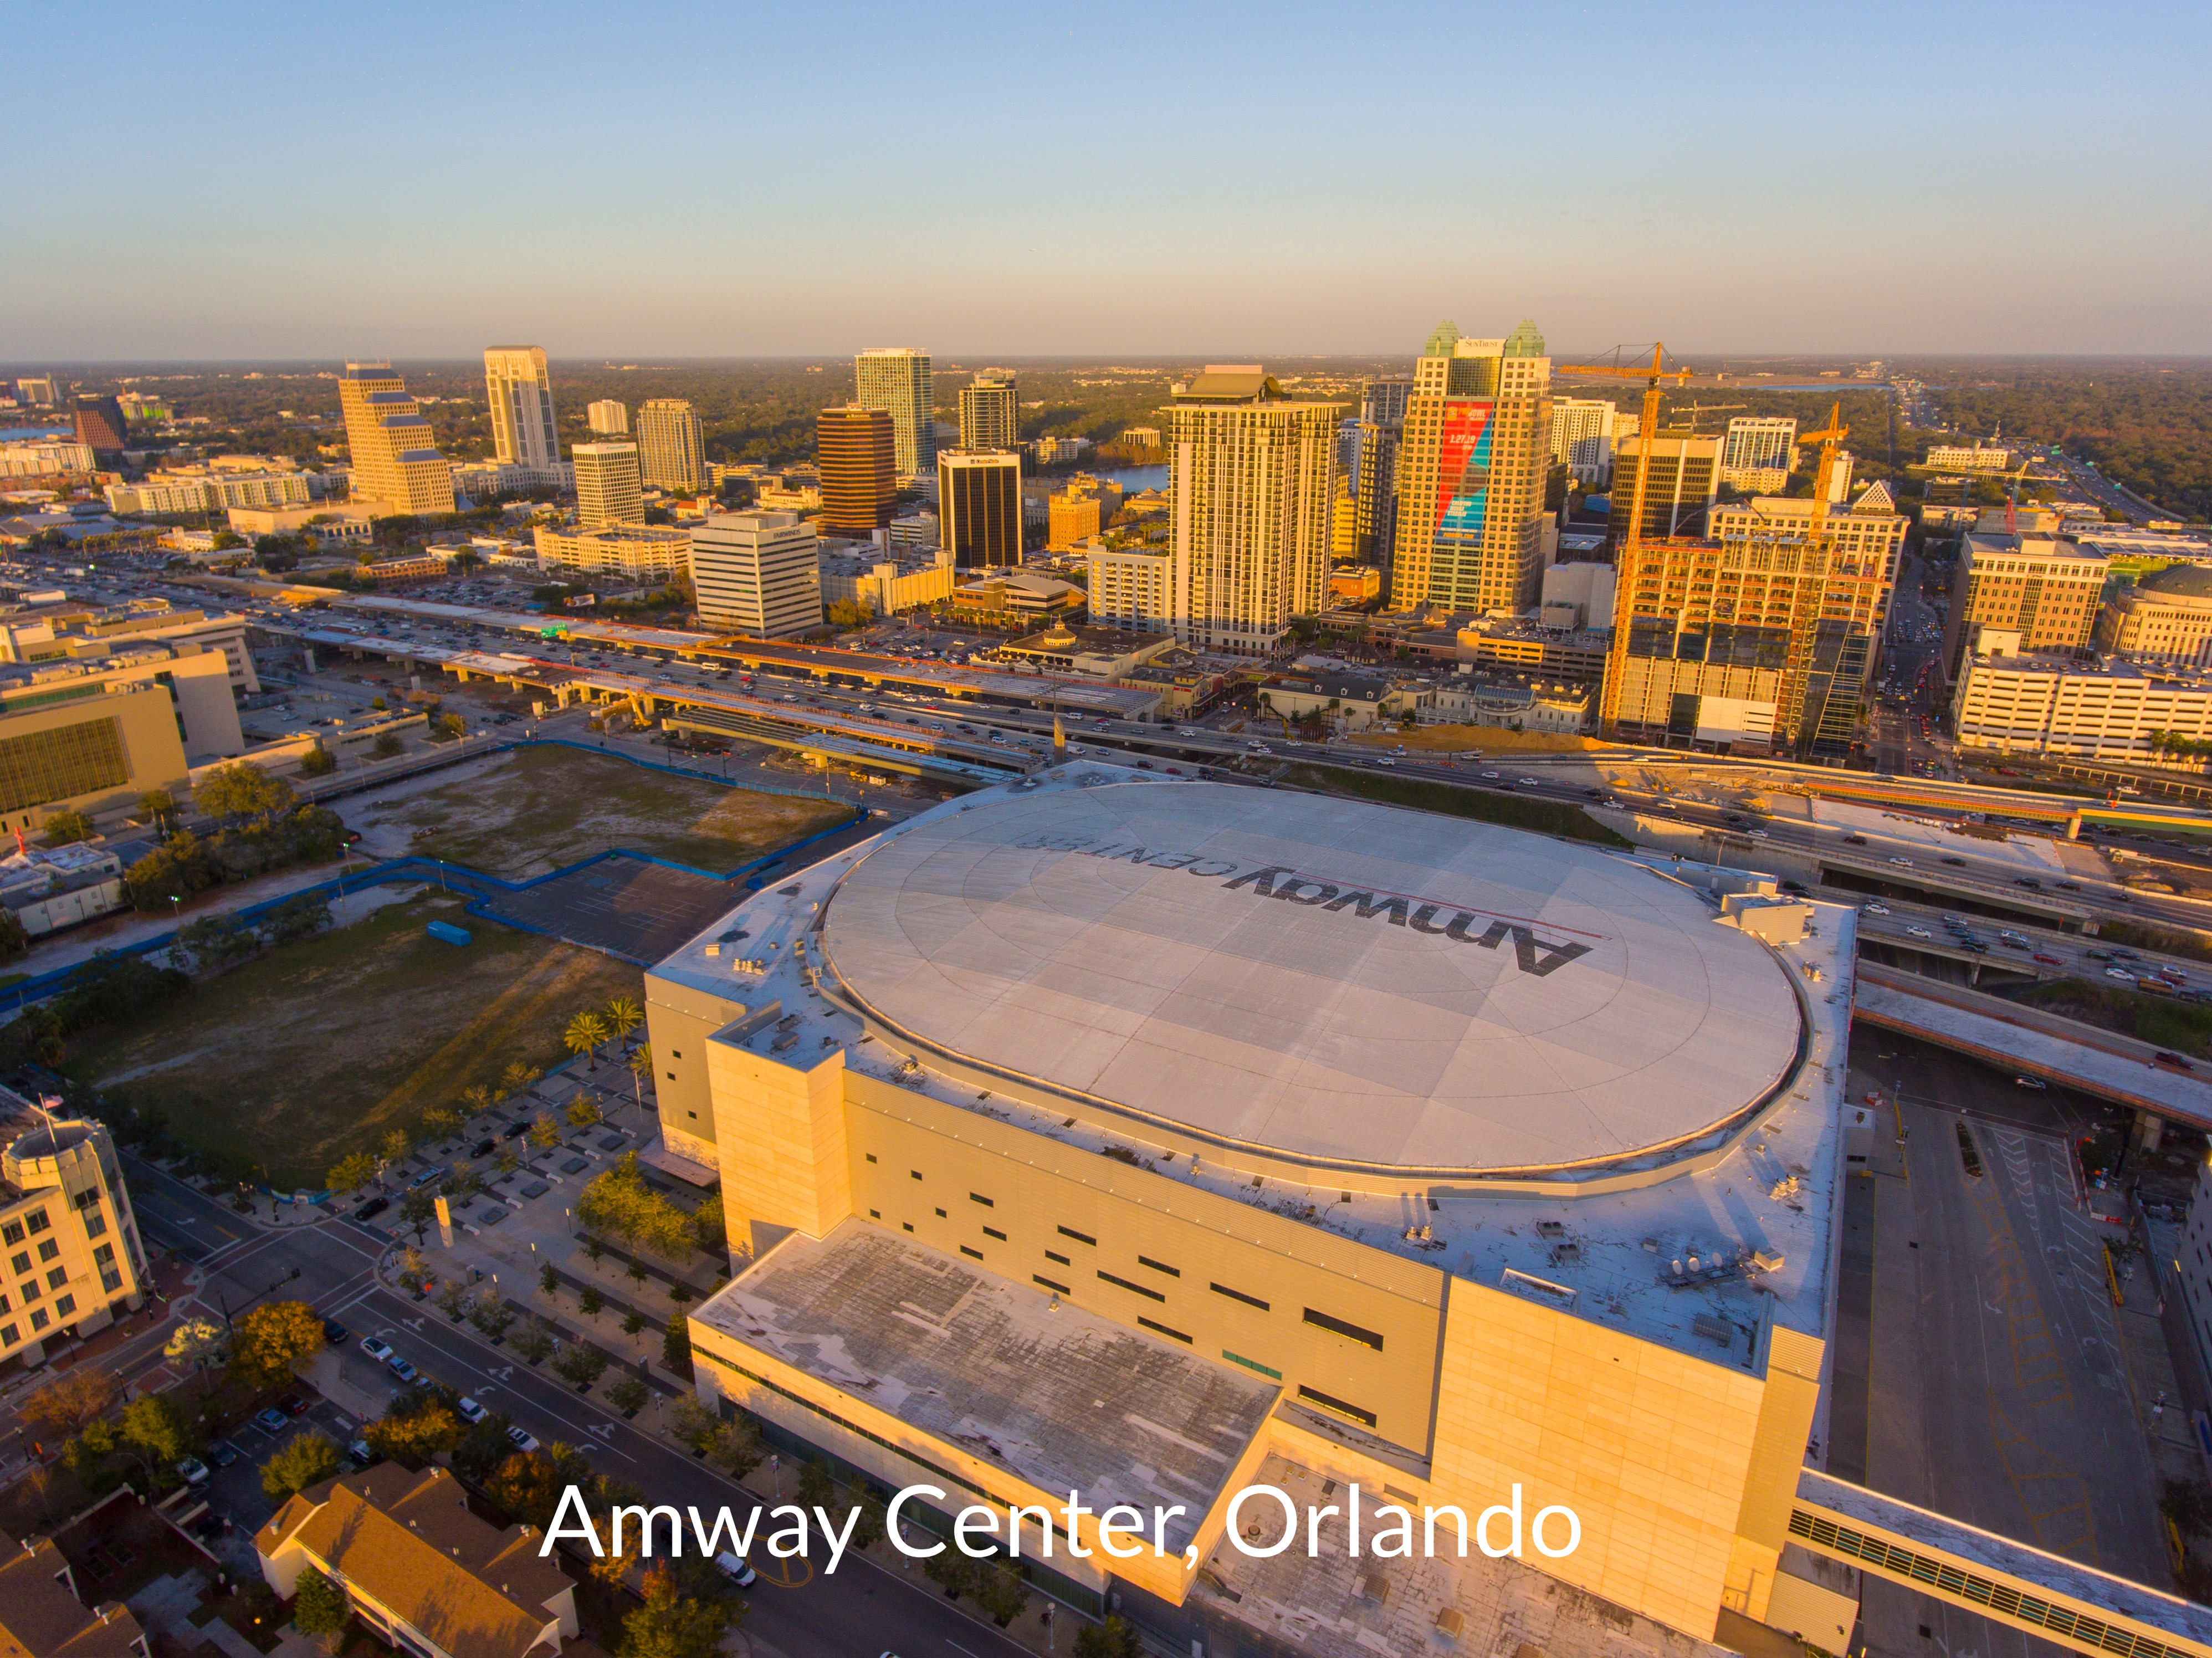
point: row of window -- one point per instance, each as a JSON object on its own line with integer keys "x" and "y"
{"x": 40, "y": 1318}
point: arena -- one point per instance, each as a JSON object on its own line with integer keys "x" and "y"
{"x": 1106, "y": 1132}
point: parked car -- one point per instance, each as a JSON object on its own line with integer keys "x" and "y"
{"x": 522, "y": 1441}
{"x": 378, "y": 1351}
{"x": 372, "y": 1209}
{"x": 334, "y": 1332}
{"x": 362, "y": 1452}
{"x": 402, "y": 1369}
{"x": 275, "y": 1421}
{"x": 470, "y": 1412}
{"x": 293, "y": 1404}
{"x": 734, "y": 1567}
{"x": 484, "y": 1147}
{"x": 514, "y": 1131}
{"x": 192, "y": 1472}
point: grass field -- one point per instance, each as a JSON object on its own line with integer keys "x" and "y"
{"x": 1491, "y": 740}
{"x": 318, "y": 1048}
{"x": 2185, "y": 1027}
{"x": 542, "y": 808}
{"x": 1513, "y": 811}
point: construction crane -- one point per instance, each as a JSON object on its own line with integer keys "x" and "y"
{"x": 1697, "y": 409}
{"x": 1628, "y": 558}
{"x": 1828, "y": 437}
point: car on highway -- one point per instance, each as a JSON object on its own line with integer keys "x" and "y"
{"x": 1905, "y": 863}
{"x": 2172, "y": 1061}
{"x": 2048, "y": 961}
{"x": 1919, "y": 932}
{"x": 1528, "y": 782}
{"x": 1870, "y": 907}
{"x": 1960, "y": 862}
{"x": 2121, "y": 974}
{"x": 2030, "y": 1082}
{"x": 378, "y": 1351}
{"x": 1493, "y": 773}
{"x": 1854, "y": 839}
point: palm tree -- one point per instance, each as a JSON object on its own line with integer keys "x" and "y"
{"x": 584, "y": 1035}
{"x": 624, "y": 1016}
{"x": 641, "y": 1067}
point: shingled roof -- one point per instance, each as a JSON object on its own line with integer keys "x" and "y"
{"x": 40, "y": 1616}
{"x": 409, "y": 1542}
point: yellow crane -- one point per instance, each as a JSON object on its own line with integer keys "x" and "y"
{"x": 1828, "y": 437}
{"x": 1628, "y": 558}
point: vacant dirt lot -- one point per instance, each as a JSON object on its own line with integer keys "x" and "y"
{"x": 535, "y": 810}
{"x": 318, "y": 1048}
{"x": 1491, "y": 740}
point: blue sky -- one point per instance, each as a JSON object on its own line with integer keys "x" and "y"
{"x": 659, "y": 180}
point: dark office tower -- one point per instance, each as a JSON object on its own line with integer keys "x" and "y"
{"x": 1374, "y": 478}
{"x": 990, "y": 416}
{"x": 99, "y": 423}
{"x": 979, "y": 505}
{"x": 857, "y": 454}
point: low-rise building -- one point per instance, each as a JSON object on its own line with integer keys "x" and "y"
{"x": 1527, "y": 645}
{"x": 1015, "y": 596}
{"x": 68, "y": 1234}
{"x": 385, "y": 573}
{"x": 430, "y": 1578}
{"x": 483, "y": 480}
{"x": 1958, "y": 458}
{"x": 1561, "y": 708}
{"x": 908, "y": 581}
{"x": 2017, "y": 703}
{"x": 209, "y": 489}
{"x": 41, "y": 1617}
{"x": 1187, "y": 683}
{"x": 1355, "y": 584}
{"x": 80, "y": 633}
{"x": 50, "y": 887}
{"x": 1084, "y": 653}
{"x": 326, "y": 523}
{"x": 1085, "y": 507}
{"x": 2165, "y": 619}
{"x": 1352, "y": 700}
{"x": 1578, "y": 596}
{"x": 643, "y": 552}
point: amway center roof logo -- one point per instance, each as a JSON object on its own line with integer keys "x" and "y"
{"x": 1531, "y": 954}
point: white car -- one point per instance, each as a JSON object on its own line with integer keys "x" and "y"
{"x": 1528, "y": 782}
{"x": 1874, "y": 909}
{"x": 2121, "y": 974}
{"x": 1386, "y": 761}
{"x": 378, "y": 1351}
{"x": 1492, "y": 774}
{"x": 522, "y": 1441}
{"x": 470, "y": 1412}
{"x": 734, "y": 1567}
{"x": 1905, "y": 862}
{"x": 1919, "y": 932}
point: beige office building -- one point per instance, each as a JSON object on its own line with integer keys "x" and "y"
{"x": 67, "y": 1235}
{"x": 2164, "y": 619}
{"x": 2045, "y": 589}
{"x": 521, "y": 397}
{"x": 395, "y": 457}
{"x": 95, "y": 734}
{"x": 757, "y": 573}
{"x": 2018, "y": 703}
{"x": 1048, "y": 1098}
{"x": 671, "y": 447}
{"x": 609, "y": 490}
{"x": 642, "y": 552}
{"x": 1252, "y": 475}
{"x": 1472, "y": 469}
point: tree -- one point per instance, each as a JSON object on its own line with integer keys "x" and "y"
{"x": 297, "y": 917}
{"x": 518, "y": 1076}
{"x": 633, "y": 1322}
{"x": 66, "y": 826}
{"x": 243, "y": 790}
{"x": 624, "y": 1016}
{"x": 591, "y": 1301}
{"x": 735, "y": 1448}
{"x": 317, "y": 762}
{"x": 394, "y": 1145}
{"x": 582, "y": 1113}
{"x": 386, "y": 744}
{"x": 629, "y": 1395}
{"x": 64, "y": 1407}
{"x": 301, "y": 1461}
{"x": 528, "y": 1485}
{"x": 868, "y": 1522}
{"x": 319, "y": 1606}
{"x": 439, "y": 1121}
{"x": 673, "y": 1624}
{"x": 815, "y": 1486}
{"x": 416, "y": 1428}
{"x": 708, "y": 1230}
{"x": 584, "y": 1035}
{"x": 218, "y": 941}
{"x": 198, "y": 1342}
{"x": 1116, "y": 1637}
{"x": 478, "y": 1097}
{"x": 544, "y": 1133}
{"x": 1000, "y": 1594}
{"x": 580, "y": 1363}
{"x": 454, "y": 1300}
{"x": 532, "y": 1342}
{"x": 14, "y": 939}
{"x": 154, "y": 1429}
{"x": 268, "y": 1341}
{"x": 416, "y": 1210}
{"x": 354, "y": 1170}
{"x": 159, "y": 807}
{"x": 952, "y": 1572}
{"x": 676, "y": 1347}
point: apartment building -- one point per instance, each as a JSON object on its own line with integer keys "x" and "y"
{"x": 1955, "y": 458}
{"x": 671, "y": 448}
{"x": 1582, "y": 438}
{"x": 896, "y": 379}
{"x": 1759, "y": 453}
{"x": 2043, "y": 588}
{"x": 1472, "y": 469}
{"x": 41, "y": 1617}
{"x": 1253, "y": 476}
{"x": 67, "y": 1233}
{"x": 209, "y": 491}
{"x": 990, "y": 413}
{"x": 1085, "y": 507}
{"x": 45, "y": 458}
{"x": 757, "y": 573}
{"x": 1131, "y": 587}
{"x": 395, "y": 460}
{"x": 607, "y": 418}
{"x": 520, "y": 395}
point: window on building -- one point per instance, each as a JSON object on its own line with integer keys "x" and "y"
{"x": 49, "y": 1249}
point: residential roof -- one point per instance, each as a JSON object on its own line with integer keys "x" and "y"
{"x": 409, "y": 1541}
{"x": 40, "y": 1618}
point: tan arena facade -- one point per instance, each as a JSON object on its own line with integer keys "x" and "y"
{"x": 1428, "y": 1154}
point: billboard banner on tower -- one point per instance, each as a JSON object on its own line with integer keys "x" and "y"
{"x": 1463, "y": 469}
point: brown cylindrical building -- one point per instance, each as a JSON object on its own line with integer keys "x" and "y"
{"x": 857, "y": 454}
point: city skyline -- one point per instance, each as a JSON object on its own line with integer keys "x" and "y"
{"x": 1576, "y": 208}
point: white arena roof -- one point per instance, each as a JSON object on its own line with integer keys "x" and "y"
{"x": 1348, "y": 986}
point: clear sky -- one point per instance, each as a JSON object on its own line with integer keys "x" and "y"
{"x": 655, "y": 181}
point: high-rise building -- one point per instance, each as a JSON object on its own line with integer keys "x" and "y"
{"x": 1839, "y": 478}
{"x": 1582, "y": 438}
{"x": 1251, "y": 477}
{"x": 856, "y": 452}
{"x": 1129, "y": 588}
{"x": 39, "y": 391}
{"x": 670, "y": 450}
{"x": 2044, "y": 589}
{"x": 979, "y": 504}
{"x": 1383, "y": 404}
{"x": 99, "y": 423}
{"x": 1790, "y": 587}
{"x": 1759, "y": 453}
{"x": 396, "y": 459}
{"x": 521, "y": 396}
{"x": 608, "y": 486}
{"x": 1684, "y": 481}
{"x": 609, "y": 418}
{"x": 895, "y": 379}
{"x": 757, "y": 573}
{"x": 1079, "y": 511}
{"x": 1472, "y": 470}
{"x": 990, "y": 413}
